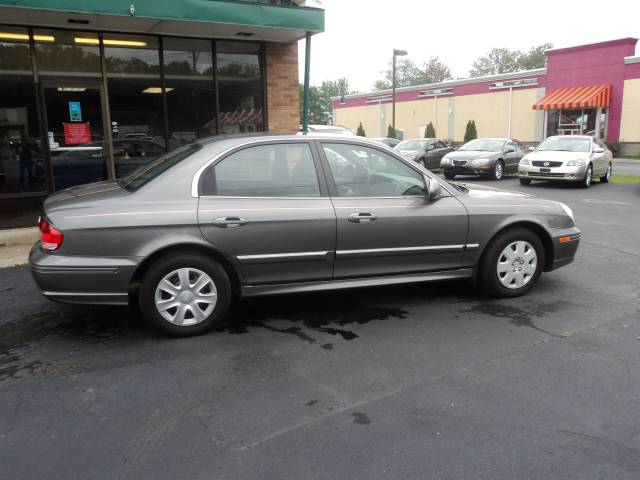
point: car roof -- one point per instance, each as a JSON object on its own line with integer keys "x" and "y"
{"x": 236, "y": 140}
{"x": 572, "y": 136}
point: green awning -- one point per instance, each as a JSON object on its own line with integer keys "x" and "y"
{"x": 265, "y": 21}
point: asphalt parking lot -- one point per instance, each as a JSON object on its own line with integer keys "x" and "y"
{"x": 423, "y": 381}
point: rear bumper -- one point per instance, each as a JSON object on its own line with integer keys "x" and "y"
{"x": 565, "y": 245}
{"x": 86, "y": 280}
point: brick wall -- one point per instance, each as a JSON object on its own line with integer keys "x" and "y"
{"x": 283, "y": 114}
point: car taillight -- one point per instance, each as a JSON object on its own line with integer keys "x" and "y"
{"x": 50, "y": 237}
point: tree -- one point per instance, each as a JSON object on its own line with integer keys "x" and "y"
{"x": 391, "y": 133}
{"x": 320, "y": 103}
{"x": 471, "y": 132}
{"x": 408, "y": 73}
{"x": 360, "y": 131}
{"x": 430, "y": 132}
{"x": 504, "y": 60}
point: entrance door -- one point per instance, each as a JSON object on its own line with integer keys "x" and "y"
{"x": 75, "y": 134}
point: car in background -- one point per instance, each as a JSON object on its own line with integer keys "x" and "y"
{"x": 389, "y": 142}
{"x": 489, "y": 157}
{"x": 426, "y": 152}
{"x": 572, "y": 158}
{"x": 330, "y": 129}
{"x": 252, "y": 215}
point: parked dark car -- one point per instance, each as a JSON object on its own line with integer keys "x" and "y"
{"x": 264, "y": 215}
{"x": 390, "y": 142}
{"x": 489, "y": 157}
{"x": 424, "y": 151}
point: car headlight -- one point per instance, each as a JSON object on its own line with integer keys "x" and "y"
{"x": 575, "y": 163}
{"x": 525, "y": 161}
{"x": 480, "y": 161}
{"x": 567, "y": 210}
{"x": 445, "y": 161}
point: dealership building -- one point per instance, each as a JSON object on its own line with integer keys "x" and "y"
{"x": 92, "y": 89}
{"x": 589, "y": 89}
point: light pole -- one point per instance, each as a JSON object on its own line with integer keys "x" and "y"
{"x": 396, "y": 53}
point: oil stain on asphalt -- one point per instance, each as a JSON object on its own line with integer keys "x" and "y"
{"x": 360, "y": 418}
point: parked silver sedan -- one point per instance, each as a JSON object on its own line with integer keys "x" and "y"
{"x": 262, "y": 215}
{"x": 570, "y": 158}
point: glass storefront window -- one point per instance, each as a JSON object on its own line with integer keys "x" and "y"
{"x": 240, "y": 86}
{"x": 67, "y": 54}
{"x": 135, "y": 100}
{"x": 188, "y": 71}
{"x": 575, "y": 121}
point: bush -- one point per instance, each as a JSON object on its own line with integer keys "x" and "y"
{"x": 430, "y": 132}
{"x": 471, "y": 132}
{"x": 391, "y": 133}
{"x": 360, "y": 131}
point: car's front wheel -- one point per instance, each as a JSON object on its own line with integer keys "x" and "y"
{"x": 498, "y": 170}
{"x": 512, "y": 263}
{"x": 449, "y": 175}
{"x": 525, "y": 181}
{"x": 607, "y": 175}
{"x": 185, "y": 294}
{"x": 588, "y": 177}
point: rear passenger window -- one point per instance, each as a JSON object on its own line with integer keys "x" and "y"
{"x": 278, "y": 170}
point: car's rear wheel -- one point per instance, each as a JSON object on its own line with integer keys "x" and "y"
{"x": 588, "y": 177}
{"x": 449, "y": 175}
{"x": 512, "y": 263}
{"x": 185, "y": 294}
{"x": 497, "y": 171}
{"x": 607, "y": 175}
{"x": 525, "y": 181}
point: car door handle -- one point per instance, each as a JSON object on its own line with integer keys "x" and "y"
{"x": 362, "y": 217}
{"x": 229, "y": 222}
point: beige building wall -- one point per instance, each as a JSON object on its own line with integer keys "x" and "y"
{"x": 630, "y": 123}
{"x": 369, "y": 115}
{"x": 488, "y": 110}
{"x": 523, "y": 116}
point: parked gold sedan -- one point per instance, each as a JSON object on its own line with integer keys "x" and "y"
{"x": 573, "y": 158}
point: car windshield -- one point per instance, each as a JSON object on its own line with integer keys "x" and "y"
{"x": 412, "y": 145}
{"x": 483, "y": 145}
{"x": 143, "y": 175}
{"x": 564, "y": 144}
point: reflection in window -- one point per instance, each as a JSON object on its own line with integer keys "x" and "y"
{"x": 240, "y": 85}
{"x": 135, "y": 97}
{"x": 284, "y": 170}
{"x": 64, "y": 53}
{"x": 188, "y": 68}
{"x": 21, "y": 155}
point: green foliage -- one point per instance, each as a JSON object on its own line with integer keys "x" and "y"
{"x": 430, "y": 132}
{"x": 471, "y": 131}
{"x": 360, "y": 131}
{"x": 504, "y": 60}
{"x": 391, "y": 133}
{"x": 409, "y": 73}
{"x": 320, "y": 103}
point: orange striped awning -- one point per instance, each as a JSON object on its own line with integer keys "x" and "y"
{"x": 576, "y": 97}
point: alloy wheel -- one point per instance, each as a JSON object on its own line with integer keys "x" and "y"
{"x": 186, "y": 296}
{"x": 498, "y": 171}
{"x": 517, "y": 264}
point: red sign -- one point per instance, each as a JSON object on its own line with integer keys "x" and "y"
{"x": 77, "y": 133}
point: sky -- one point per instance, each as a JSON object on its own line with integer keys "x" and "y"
{"x": 360, "y": 35}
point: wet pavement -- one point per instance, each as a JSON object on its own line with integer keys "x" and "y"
{"x": 421, "y": 381}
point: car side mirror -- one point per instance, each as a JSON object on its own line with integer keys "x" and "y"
{"x": 432, "y": 187}
{"x": 598, "y": 150}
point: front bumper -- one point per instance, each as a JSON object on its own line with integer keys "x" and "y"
{"x": 468, "y": 169}
{"x": 565, "y": 245}
{"x": 78, "y": 279}
{"x": 566, "y": 174}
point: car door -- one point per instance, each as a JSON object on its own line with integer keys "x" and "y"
{"x": 511, "y": 156}
{"x": 385, "y": 223}
{"x": 267, "y": 209}
{"x": 435, "y": 151}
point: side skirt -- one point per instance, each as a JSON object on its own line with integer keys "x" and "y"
{"x": 256, "y": 290}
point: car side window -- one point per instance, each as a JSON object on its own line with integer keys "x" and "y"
{"x": 510, "y": 147}
{"x": 274, "y": 170}
{"x": 360, "y": 171}
{"x": 439, "y": 144}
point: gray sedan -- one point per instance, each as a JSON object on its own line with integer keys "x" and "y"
{"x": 490, "y": 157}
{"x": 264, "y": 215}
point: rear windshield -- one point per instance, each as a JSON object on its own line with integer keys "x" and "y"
{"x": 143, "y": 175}
{"x": 412, "y": 145}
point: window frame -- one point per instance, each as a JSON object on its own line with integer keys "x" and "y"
{"x": 199, "y": 177}
{"x": 333, "y": 188}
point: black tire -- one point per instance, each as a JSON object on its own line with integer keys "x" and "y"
{"x": 164, "y": 266}
{"x": 449, "y": 175}
{"x": 497, "y": 172}
{"x": 588, "y": 177}
{"x": 488, "y": 274}
{"x": 525, "y": 181}
{"x": 607, "y": 175}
